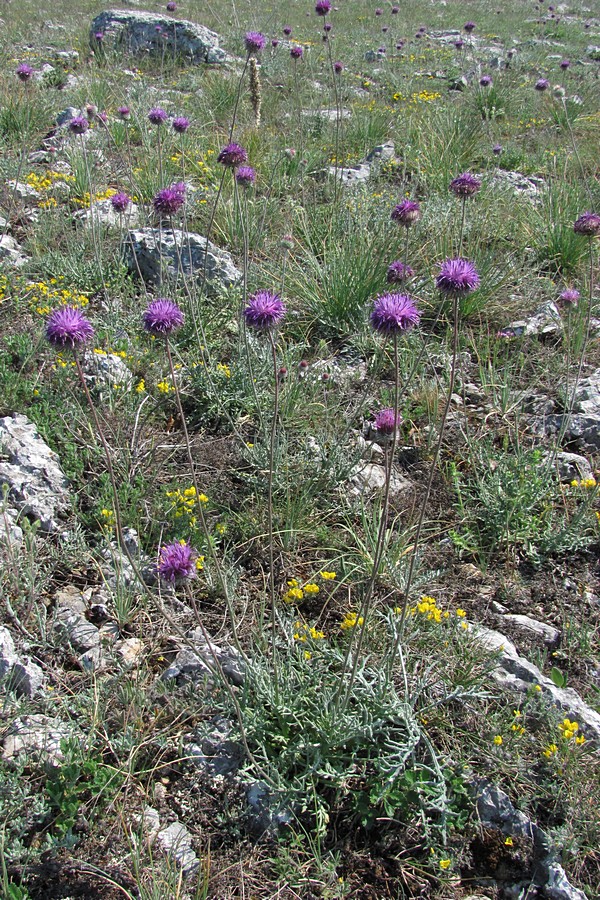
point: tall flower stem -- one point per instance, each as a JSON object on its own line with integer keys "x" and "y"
{"x": 379, "y": 546}
{"x": 438, "y": 448}
{"x": 237, "y": 99}
{"x": 272, "y": 442}
{"x": 462, "y": 226}
{"x": 211, "y": 550}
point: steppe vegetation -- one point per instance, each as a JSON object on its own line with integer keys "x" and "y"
{"x": 341, "y": 465}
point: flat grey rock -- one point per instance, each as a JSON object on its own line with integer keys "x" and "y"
{"x": 145, "y": 32}
{"x": 11, "y": 252}
{"x": 37, "y": 486}
{"x": 176, "y": 842}
{"x": 163, "y": 254}
{"x": 514, "y": 672}
{"x": 369, "y": 478}
{"x": 101, "y": 212}
{"x": 106, "y": 369}
{"x": 38, "y": 737}
{"x": 547, "y": 633}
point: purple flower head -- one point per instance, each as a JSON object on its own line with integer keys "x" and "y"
{"x": 457, "y": 277}
{"x": 99, "y": 36}
{"x": 385, "y": 29}
{"x": 497, "y": 149}
{"x": 102, "y": 117}
{"x": 124, "y": 112}
{"x": 399, "y": 45}
{"x": 565, "y": 63}
{"x": 381, "y": 50}
{"x": 469, "y": 27}
{"x": 23, "y": 72}
{"x": 297, "y": 52}
{"x": 157, "y": 116}
{"x": 177, "y": 562}
{"x": 68, "y": 327}
{"x": 245, "y": 176}
{"x": 542, "y": 84}
{"x": 287, "y": 30}
{"x": 485, "y": 80}
{"x": 398, "y": 272}
{"x": 569, "y": 297}
{"x": 378, "y": 12}
{"x": 587, "y": 224}
{"x": 171, "y": 6}
{"x": 274, "y": 42}
{"x": 264, "y": 311}
{"x": 395, "y": 10}
{"x": 406, "y": 213}
{"x": 323, "y": 7}
{"x": 169, "y": 200}
{"x": 120, "y": 202}
{"x": 255, "y": 42}
{"x": 338, "y": 68}
{"x": 459, "y": 44}
{"x": 162, "y": 316}
{"x": 180, "y": 124}
{"x": 78, "y": 125}
{"x": 386, "y": 422}
{"x": 327, "y": 26}
{"x": 91, "y": 111}
{"x": 465, "y": 185}
{"x": 393, "y": 313}
{"x": 232, "y": 156}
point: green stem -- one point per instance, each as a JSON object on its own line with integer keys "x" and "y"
{"x": 270, "y": 509}
{"x": 415, "y": 547}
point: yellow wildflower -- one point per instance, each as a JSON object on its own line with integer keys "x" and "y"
{"x": 498, "y": 740}
{"x": 351, "y": 620}
{"x": 327, "y": 576}
{"x": 311, "y": 588}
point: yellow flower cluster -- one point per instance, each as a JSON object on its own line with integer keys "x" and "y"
{"x": 295, "y": 592}
{"x": 550, "y": 750}
{"x": 351, "y": 620}
{"x": 165, "y": 387}
{"x": 86, "y": 198}
{"x": 108, "y": 517}
{"x": 428, "y": 607}
{"x": 569, "y": 729}
{"x": 3, "y": 287}
{"x": 587, "y": 483}
{"x": 328, "y": 576}
{"x": 43, "y": 183}
{"x": 303, "y": 632}
{"x": 44, "y": 296}
{"x": 223, "y": 369}
{"x": 184, "y": 503}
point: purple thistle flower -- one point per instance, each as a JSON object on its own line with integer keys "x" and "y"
{"x": 274, "y": 42}
{"x": 378, "y": 12}
{"x": 338, "y": 68}
{"x": 393, "y": 313}
{"x": 399, "y": 45}
{"x": 386, "y": 422}
{"x": 385, "y": 29}
{"x": 565, "y": 63}
{"x": 157, "y": 116}
{"x": 264, "y": 311}
{"x": 171, "y": 6}
{"x": 542, "y": 84}
{"x": 398, "y": 272}
{"x": 68, "y": 327}
{"x": 465, "y": 185}
{"x": 469, "y": 27}
{"x": 459, "y": 44}
{"x": 485, "y": 80}
{"x": 245, "y": 176}
{"x": 255, "y": 42}
{"x": 497, "y": 149}
{"x": 99, "y": 36}
{"x": 78, "y": 125}
{"x": 287, "y": 30}
{"x": 232, "y": 155}
{"x": 23, "y": 72}
{"x": 569, "y": 297}
{"x": 297, "y": 52}
{"x": 395, "y": 10}
{"x": 457, "y": 277}
{"x": 180, "y": 124}
{"x": 162, "y": 316}
{"x": 587, "y": 224}
{"x": 169, "y": 200}
{"x": 406, "y": 213}
{"x": 124, "y": 112}
{"x": 327, "y": 26}
{"x": 177, "y": 562}
{"x": 381, "y": 50}
{"x": 120, "y": 202}
{"x": 323, "y": 7}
